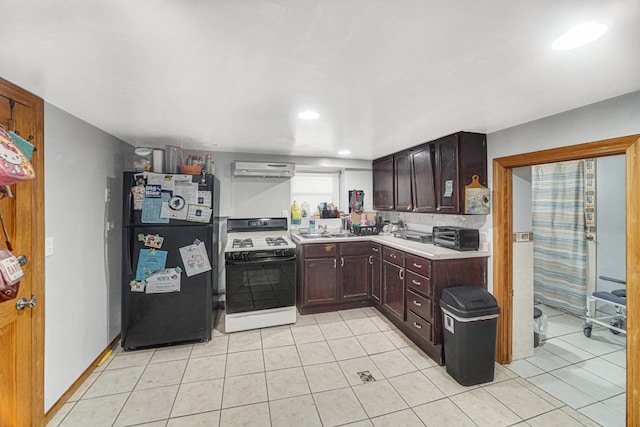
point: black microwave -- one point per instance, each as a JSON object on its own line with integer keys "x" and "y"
{"x": 458, "y": 238}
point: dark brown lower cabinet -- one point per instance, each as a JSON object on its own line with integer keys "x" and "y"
{"x": 333, "y": 276}
{"x": 406, "y": 288}
{"x": 413, "y": 304}
{"x": 321, "y": 281}
{"x": 393, "y": 289}
{"x": 375, "y": 272}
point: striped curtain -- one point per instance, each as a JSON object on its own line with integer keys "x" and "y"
{"x": 559, "y": 246}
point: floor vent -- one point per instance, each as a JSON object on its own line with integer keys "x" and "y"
{"x": 366, "y": 377}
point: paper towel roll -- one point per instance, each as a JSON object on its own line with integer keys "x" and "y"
{"x": 158, "y": 160}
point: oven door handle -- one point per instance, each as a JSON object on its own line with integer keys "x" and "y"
{"x": 260, "y": 261}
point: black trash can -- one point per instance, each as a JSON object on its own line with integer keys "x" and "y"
{"x": 470, "y": 324}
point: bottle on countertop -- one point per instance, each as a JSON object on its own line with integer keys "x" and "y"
{"x": 295, "y": 213}
{"x": 209, "y": 164}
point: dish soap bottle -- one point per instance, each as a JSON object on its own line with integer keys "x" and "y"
{"x": 295, "y": 213}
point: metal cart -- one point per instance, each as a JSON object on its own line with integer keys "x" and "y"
{"x": 618, "y": 299}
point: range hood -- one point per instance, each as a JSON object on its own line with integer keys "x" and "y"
{"x": 264, "y": 169}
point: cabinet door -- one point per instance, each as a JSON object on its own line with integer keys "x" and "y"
{"x": 320, "y": 280}
{"x": 383, "y": 184}
{"x": 446, "y": 175}
{"x": 375, "y": 277}
{"x": 354, "y": 277}
{"x": 424, "y": 192}
{"x": 402, "y": 173}
{"x": 393, "y": 289}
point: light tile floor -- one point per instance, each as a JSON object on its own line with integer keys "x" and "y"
{"x": 307, "y": 374}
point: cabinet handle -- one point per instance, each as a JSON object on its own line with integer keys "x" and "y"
{"x": 417, "y": 265}
{"x": 390, "y": 207}
{"x": 341, "y": 262}
{"x": 392, "y": 256}
{"x": 401, "y": 274}
{"x": 417, "y": 303}
{"x": 375, "y": 249}
{"x": 371, "y": 259}
{"x": 415, "y": 282}
{"x": 417, "y": 325}
{"x": 334, "y": 263}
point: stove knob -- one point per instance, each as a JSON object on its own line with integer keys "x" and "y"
{"x": 245, "y": 255}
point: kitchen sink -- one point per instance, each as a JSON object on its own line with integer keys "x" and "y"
{"x": 324, "y": 235}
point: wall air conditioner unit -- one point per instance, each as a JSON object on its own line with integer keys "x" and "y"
{"x": 264, "y": 169}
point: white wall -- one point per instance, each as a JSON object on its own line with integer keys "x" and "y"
{"x": 611, "y": 118}
{"x": 521, "y": 193}
{"x": 611, "y": 229}
{"x": 252, "y": 197}
{"x": 82, "y": 277}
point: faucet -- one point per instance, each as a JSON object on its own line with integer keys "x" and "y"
{"x": 321, "y": 228}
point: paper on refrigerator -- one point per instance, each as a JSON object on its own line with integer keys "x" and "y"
{"x": 195, "y": 259}
{"x": 162, "y": 281}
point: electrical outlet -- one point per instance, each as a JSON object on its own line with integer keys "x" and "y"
{"x": 524, "y": 237}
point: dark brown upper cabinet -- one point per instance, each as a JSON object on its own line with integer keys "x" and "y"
{"x": 422, "y": 182}
{"x": 430, "y": 177}
{"x": 383, "y": 199}
{"x": 457, "y": 158}
{"x": 402, "y": 175}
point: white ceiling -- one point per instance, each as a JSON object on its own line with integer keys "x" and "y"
{"x": 384, "y": 74}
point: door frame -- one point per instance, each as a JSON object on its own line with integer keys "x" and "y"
{"x": 503, "y": 250}
{"x": 35, "y": 238}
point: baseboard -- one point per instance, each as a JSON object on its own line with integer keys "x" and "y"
{"x": 63, "y": 399}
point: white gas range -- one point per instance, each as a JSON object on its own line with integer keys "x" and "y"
{"x": 260, "y": 264}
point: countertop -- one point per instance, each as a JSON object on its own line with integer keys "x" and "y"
{"x": 426, "y": 250}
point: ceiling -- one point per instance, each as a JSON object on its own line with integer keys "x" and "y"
{"x": 231, "y": 75}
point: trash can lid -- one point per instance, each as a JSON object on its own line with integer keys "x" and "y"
{"x": 536, "y": 312}
{"x": 469, "y": 301}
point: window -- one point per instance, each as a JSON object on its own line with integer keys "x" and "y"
{"x": 315, "y": 188}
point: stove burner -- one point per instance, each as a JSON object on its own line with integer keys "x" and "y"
{"x": 242, "y": 243}
{"x": 276, "y": 241}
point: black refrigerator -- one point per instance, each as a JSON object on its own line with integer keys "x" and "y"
{"x": 169, "y": 258}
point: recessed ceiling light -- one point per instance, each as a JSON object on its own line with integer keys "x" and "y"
{"x": 579, "y": 36}
{"x": 344, "y": 152}
{"x": 308, "y": 115}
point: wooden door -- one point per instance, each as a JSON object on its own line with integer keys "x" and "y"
{"x": 383, "y": 184}
{"x": 354, "y": 277}
{"x": 393, "y": 289}
{"x": 375, "y": 277}
{"x": 402, "y": 174}
{"x": 320, "y": 281}
{"x": 21, "y": 332}
{"x": 424, "y": 196}
{"x": 446, "y": 175}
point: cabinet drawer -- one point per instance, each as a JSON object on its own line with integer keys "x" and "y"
{"x": 354, "y": 248}
{"x": 420, "y": 326}
{"x": 419, "y": 265}
{"x": 394, "y": 256}
{"x": 376, "y": 249}
{"x": 419, "y": 283}
{"x": 420, "y": 305}
{"x": 318, "y": 250}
